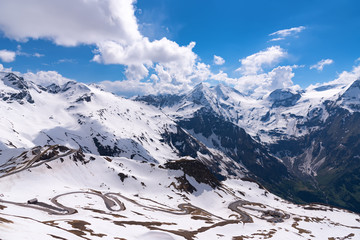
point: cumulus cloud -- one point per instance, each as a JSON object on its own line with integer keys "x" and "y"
{"x": 164, "y": 80}
{"x": 254, "y": 63}
{"x": 69, "y": 22}
{"x": 108, "y": 25}
{"x": 218, "y": 60}
{"x": 46, "y": 78}
{"x": 7, "y": 56}
{"x": 347, "y": 77}
{"x": 282, "y": 34}
{"x": 257, "y": 82}
{"x": 320, "y": 65}
{"x": 143, "y": 53}
{"x": 261, "y": 84}
{"x": 111, "y": 28}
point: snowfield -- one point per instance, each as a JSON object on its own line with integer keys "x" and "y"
{"x": 91, "y": 197}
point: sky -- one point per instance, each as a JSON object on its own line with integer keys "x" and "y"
{"x": 167, "y": 46}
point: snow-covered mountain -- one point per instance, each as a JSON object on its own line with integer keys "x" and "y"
{"x": 147, "y": 167}
{"x": 72, "y": 195}
{"x": 307, "y": 131}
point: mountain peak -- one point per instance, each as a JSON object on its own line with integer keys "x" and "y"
{"x": 353, "y": 92}
{"x": 14, "y": 81}
{"x": 283, "y": 98}
{"x": 224, "y": 91}
{"x": 200, "y": 94}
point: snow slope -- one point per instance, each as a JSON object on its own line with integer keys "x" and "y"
{"x": 149, "y": 203}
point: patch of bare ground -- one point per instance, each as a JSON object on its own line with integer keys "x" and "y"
{"x": 56, "y": 237}
{"x": 300, "y": 230}
{"x": 105, "y": 213}
{"x": 266, "y": 234}
{"x": 144, "y": 224}
{"x": 190, "y": 235}
{"x": 342, "y": 238}
{"x": 5, "y": 220}
{"x": 206, "y": 219}
{"x": 242, "y": 237}
{"x": 118, "y": 238}
{"x": 80, "y": 228}
{"x": 51, "y": 223}
{"x": 313, "y": 219}
{"x": 2, "y": 207}
{"x": 239, "y": 238}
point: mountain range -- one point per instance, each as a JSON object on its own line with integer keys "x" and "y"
{"x": 162, "y": 155}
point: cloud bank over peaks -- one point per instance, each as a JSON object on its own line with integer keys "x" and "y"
{"x": 46, "y": 78}
{"x": 255, "y": 81}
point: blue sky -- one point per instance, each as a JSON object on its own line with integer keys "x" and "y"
{"x": 233, "y": 30}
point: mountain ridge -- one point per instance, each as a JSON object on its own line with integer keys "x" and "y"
{"x": 277, "y": 140}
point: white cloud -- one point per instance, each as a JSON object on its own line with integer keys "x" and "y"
{"x": 126, "y": 88}
{"x": 348, "y": 77}
{"x": 69, "y": 22}
{"x": 46, "y": 78}
{"x": 254, "y": 81}
{"x": 276, "y": 39}
{"x": 136, "y": 72}
{"x": 66, "y": 60}
{"x": 253, "y": 64}
{"x": 261, "y": 84}
{"x": 320, "y": 65}
{"x": 3, "y": 69}
{"x": 258, "y": 85}
{"x": 218, "y": 60}
{"x": 7, "y": 56}
{"x": 108, "y": 25}
{"x": 282, "y": 34}
{"x": 19, "y": 52}
{"x": 143, "y": 54}
{"x": 38, "y": 55}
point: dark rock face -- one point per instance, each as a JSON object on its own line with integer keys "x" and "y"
{"x": 187, "y": 145}
{"x": 84, "y": 98}
{"x": 53, "y": 88}
{"x": 15, "y": 82}
{"x": 237, "y": 144}
{"x": 160, "y": 100}
{"x": 195, "y": 169}
{"x": 283, "y": 98}
{"x": 20, "y": 93}
{"x": 106, "y": 150}
{"x": 334, "y": 153}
